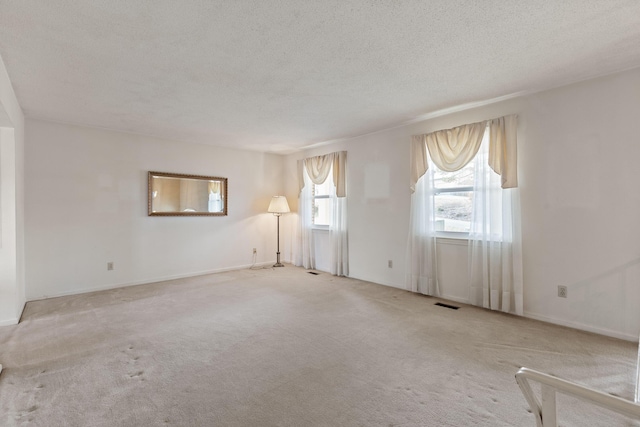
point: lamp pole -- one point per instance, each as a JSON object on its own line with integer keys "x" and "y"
{"x": 278, "y": 263}
{"x": 278, "y": 206}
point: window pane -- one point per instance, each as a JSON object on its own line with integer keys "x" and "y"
{"x": 453, "y": 211}
{"x": 322, "y": 204}
{"x": 322, "y": 211}
{"x": 460, "y": 178}
{"x": 324, "y": 189}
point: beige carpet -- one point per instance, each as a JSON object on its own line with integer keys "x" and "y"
{"x": 281, "y": 347}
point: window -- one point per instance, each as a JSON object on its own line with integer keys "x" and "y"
{"x": 322, "y": 203}
{"x": 453, "y": 197}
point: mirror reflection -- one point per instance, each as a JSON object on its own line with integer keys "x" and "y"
{"x": 186, "y": 195}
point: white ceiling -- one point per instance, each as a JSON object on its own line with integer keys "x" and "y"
{"x": 279, "y": 75}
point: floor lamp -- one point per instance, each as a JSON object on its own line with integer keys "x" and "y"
{"x": 278, "y": 206}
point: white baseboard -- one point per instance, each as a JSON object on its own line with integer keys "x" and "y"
{"x": 9, "y": 322}
{"x": 582, "y": 327}
{"x": 376, "y": 281}
{"x": 535, "y": 316}
{"x": 16, "y": 320}
{"x": 146, "y": 281}
{"x": 395, "y": 285}
{"x": 24, "y": 305}
{"x": 455, "y": 299}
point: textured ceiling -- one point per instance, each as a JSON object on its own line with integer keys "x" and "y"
{"x": 279, "y": 75}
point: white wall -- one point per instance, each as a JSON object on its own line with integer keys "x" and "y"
{"x": 322, "y": 241}
{"x": 377, "y": 222}
{"x": 12, "y": 283}
{"x": 86, "y": 205}
{"x": 578, "y": 167}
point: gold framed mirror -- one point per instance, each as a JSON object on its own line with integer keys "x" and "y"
{"x": 172, "y": 194}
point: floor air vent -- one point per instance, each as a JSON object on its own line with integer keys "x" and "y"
{"x": 313, "y": 272}
{"x": 452, "y": 307}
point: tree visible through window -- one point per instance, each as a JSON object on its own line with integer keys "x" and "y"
{"x": 322, "y": 203}
{"x": 453, "y": 199}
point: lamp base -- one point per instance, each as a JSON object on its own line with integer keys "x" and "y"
{"x": 278, "y": 263}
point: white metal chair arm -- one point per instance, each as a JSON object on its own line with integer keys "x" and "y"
{"x": 545, "y": 411}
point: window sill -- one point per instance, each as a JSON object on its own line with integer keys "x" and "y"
{"x": 456, "y": 235}
{"x": 453, "y": 240}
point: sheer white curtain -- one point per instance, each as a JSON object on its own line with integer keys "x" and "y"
{"x": 305, "y": 255}
{"x": 422, "y": 274}
{"x": 315, "y": 170}
{"x": 450, "y": 150}
{"x": 495, "y": 247}
{"x": 338, "y": 235}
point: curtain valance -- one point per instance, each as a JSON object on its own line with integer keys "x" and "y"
{"x": 318, "y": 168}
{"x": 452, "y": 149}
{"x": 503, "y": 157}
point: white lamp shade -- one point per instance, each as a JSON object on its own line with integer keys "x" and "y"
{"x": 278, "y": 205}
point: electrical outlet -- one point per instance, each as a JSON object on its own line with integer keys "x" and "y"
{"x": 255, "y": 251}
{"x": 390, "y": 264}
{"x": 110, "y": 265}
{"x": 562, "y": 291}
